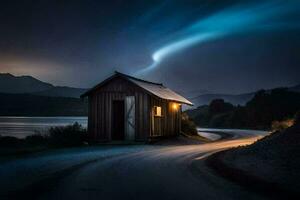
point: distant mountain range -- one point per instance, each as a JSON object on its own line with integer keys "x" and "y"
{"x": 61, "y": 91}
{"x": 28, "y": 96}
{"x": 295, "y": 88}
{"x": 239, "y": 99}
{"x": 20, "y": 95}
{"x": 34, "y": 105}
{"x": 28, "y": 85}
{"x": 205, "y": 99}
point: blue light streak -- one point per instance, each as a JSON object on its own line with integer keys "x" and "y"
{"x": 234, "y": 20}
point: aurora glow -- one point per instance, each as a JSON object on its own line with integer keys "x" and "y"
{"x": 238, "y": 19}
{"x": 192, "y": 46}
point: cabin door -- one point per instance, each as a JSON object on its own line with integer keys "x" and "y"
{"x": 118, "y": 128}
{"x": 130, "y": 118}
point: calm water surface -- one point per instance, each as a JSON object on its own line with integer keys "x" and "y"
{"x": 23, "y": 126}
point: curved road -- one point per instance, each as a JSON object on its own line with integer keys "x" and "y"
{"x": 161, "y": 171}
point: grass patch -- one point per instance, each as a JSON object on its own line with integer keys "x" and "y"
{"x": 189, "y": 129}
{"x": 187, "y": 125}
{"x": 57, "y": 137}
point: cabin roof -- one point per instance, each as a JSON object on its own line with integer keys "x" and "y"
{"x": 156, "y": 89}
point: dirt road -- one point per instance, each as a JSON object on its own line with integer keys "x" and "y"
{"x": 164, "y": 171}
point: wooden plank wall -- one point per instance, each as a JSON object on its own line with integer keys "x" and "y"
{"x": 169, "y": 124}
{"x": 100, "y": 106}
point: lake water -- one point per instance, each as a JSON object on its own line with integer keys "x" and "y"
{"x": 23, "y": 126}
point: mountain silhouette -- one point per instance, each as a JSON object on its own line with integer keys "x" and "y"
{"x": 21, "y": 84}
{"x": 29, "y": 85}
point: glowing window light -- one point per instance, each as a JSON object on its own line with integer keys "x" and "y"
{"x": 157, "y": 111}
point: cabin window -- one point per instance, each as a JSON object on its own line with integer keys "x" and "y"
{"x": 157, "y": 111}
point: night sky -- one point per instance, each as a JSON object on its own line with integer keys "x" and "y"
{"x": 191, "y": 46}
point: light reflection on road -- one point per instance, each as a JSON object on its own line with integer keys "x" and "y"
{"x": 135, "y": 166}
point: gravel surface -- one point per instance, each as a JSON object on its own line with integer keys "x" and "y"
{"x": 274, "y": 159}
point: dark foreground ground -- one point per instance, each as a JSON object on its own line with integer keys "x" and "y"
{"x": 270, "y": 166}
{"x": 171, "y": 170}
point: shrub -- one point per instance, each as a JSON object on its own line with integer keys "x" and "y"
{"x": 281, "y": 125}
{"x": 217, "y": 106}
{"x": 8, "y": 141}
{"x": 71, "y": 135}
{"x": 297, "y": 118}
{"x": 187, "y": 125}
{"x": 36, "y": 139}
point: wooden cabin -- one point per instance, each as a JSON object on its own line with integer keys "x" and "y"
{"x": 123, "y": 107}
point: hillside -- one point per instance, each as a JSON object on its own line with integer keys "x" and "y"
{"x": 274, "y": 160}
{"x": 239, "y": 99}
{"x": 258, "y": 113}
{"x": 205, "y": 99}
{"x": 60, "y": 91}
{"x": 33, "y": 105}
{"x": 295, "y": 88}
{"x": 28, "y": 85}
{"x": 21, "y": 84}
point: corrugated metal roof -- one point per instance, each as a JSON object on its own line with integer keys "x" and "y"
{"x": 161, "y": 91}
{"x": 156, "y": 89}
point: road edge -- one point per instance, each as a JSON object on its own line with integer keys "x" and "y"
{"x": 243, "y": 178}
